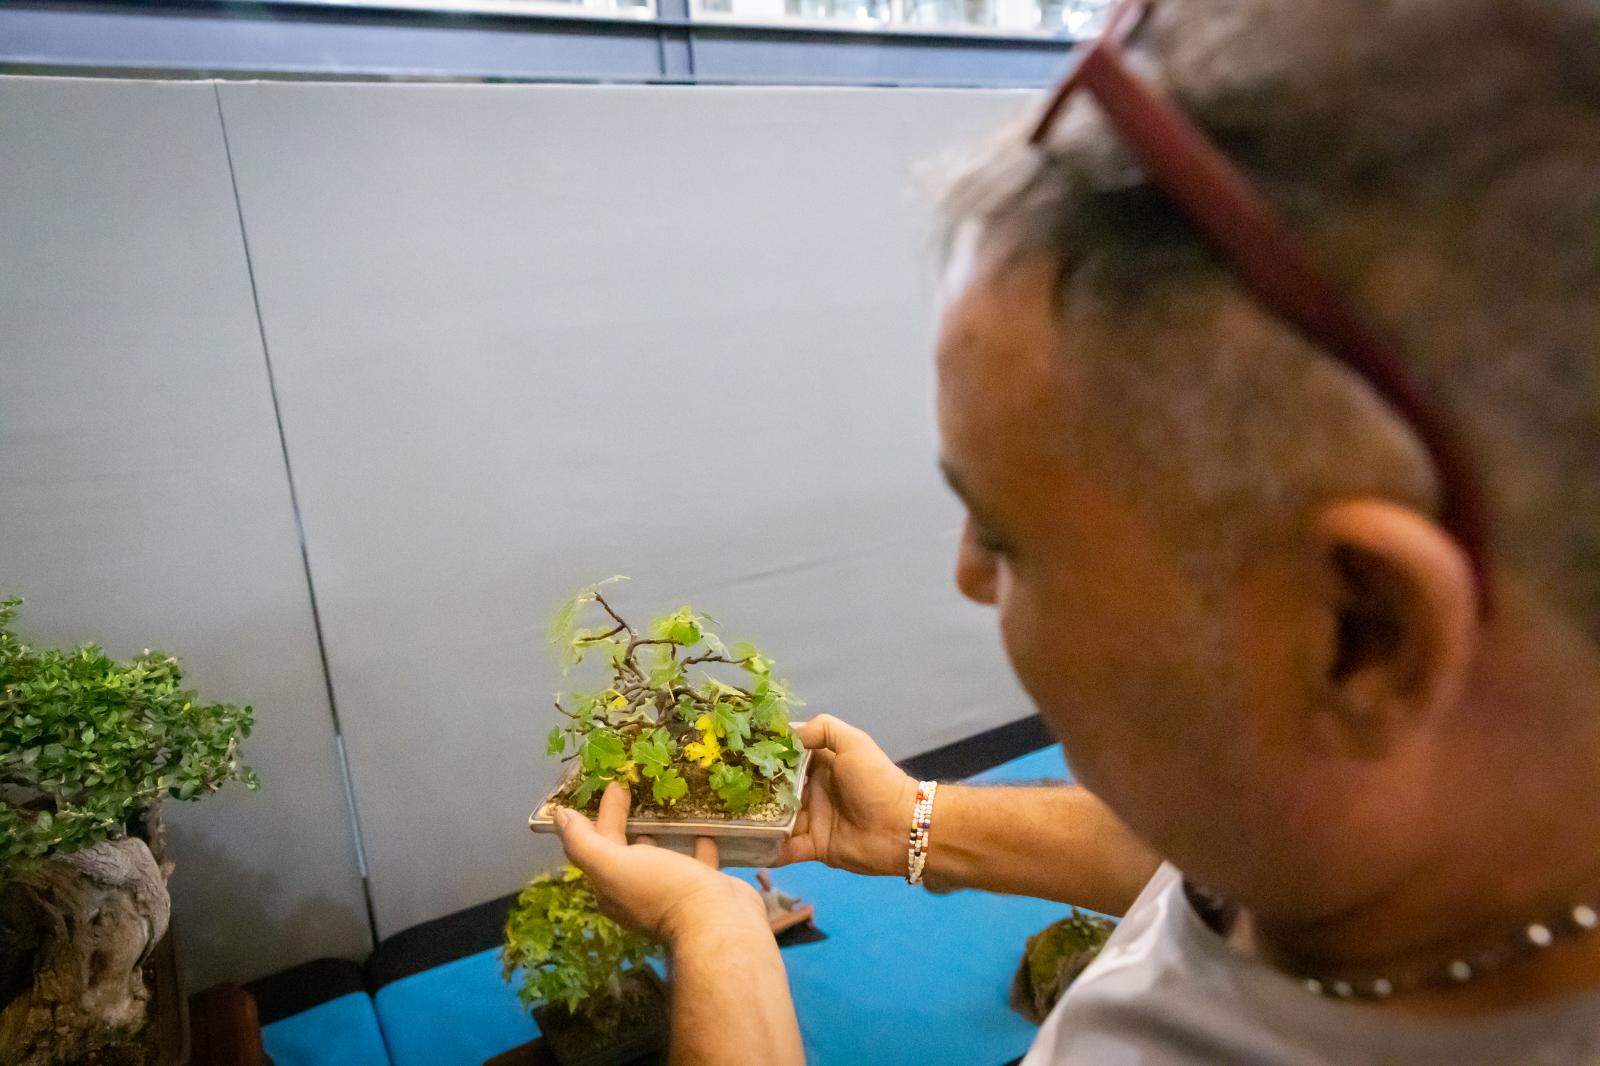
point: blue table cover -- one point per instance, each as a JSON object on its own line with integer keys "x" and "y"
{"x": 340, "y": 1032}
{"x": 905, "y": 976}
{"x": 909, "y": 977}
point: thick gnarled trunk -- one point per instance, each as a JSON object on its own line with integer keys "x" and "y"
{"x": 87, "y": 921}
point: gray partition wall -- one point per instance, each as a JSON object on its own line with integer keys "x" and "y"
{"x": 507, "y": 339}
{"x": 529, "y": 336}
{"x": 143, "y": 501}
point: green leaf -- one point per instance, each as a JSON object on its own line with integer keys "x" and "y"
{"x": 786, "y": 794}
{"x": 602, "y": 753}
{"x": 769, "y": 713}
{"x": 585, "y": 709}
{"x": 653, "y": 753}
{"x": 669, "y": 788}
{"x": 557, "y": 743}
{"x": 667, "y": 673}
{"x": 752, "y": 659}
{"x": 733, "y": 785}
{"x": 682, "y": 627}
{"x": 563, "y": 628}
{"x": 731, "y": 723}
{"x": 771, "y": 757}
{"x": 563, "y": 620}
{"x": 588, "y": 785}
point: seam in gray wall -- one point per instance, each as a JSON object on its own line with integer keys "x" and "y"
{"x": 300, "y": 532}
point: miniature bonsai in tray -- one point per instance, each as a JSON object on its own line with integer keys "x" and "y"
{"x": 91, "y": 748}
{"x": 593, "y": 997}
{"x": 698, "y": 732}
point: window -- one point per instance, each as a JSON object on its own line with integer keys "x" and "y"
{"x": 1066, "y": 18}
{"x": 630, "y": 9}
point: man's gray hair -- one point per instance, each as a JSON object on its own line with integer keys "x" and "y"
{"x": 1443, "y": 158}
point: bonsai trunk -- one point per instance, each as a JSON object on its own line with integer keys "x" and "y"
{"x": 87, "y": 921}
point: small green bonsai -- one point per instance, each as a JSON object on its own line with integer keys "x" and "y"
{"x": 569, "y": 954}
{"x": 89, "y": 747}
{"x": 676, "y": 734}
{"x": 1054, "y": 958}
{"x": 88, "y": 743}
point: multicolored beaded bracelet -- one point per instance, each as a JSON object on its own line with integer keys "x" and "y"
{"x": 921, "y": 822}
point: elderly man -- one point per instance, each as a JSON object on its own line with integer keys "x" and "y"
{"x": 1270, "y": 377}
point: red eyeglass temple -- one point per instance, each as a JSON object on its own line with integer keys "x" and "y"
{"x": 1267, "y": 258}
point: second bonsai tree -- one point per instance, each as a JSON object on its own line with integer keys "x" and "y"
{"x": 693, "y": 728}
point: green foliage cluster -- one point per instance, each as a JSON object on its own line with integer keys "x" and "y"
{"x": 666, "y": 722}
{"x": 566, "y": 950}
{"x": 88, "y": 743}
{"x": 1054, "y": 958}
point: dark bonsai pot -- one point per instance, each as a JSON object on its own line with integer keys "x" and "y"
{"x": 572, "y": 1039}
{"x": 169, "y": 1008}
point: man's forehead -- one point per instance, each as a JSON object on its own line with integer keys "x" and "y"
{"x": 1000, "y": 343}
{"x": 1003, "y": 387}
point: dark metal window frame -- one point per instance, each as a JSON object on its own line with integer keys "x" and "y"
{"x": 410, "y": 39}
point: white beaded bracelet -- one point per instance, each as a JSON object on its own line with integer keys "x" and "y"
{"x": 921, "y": 823}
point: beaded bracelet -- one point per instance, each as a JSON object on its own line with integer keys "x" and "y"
{"x": 921, "y": 820}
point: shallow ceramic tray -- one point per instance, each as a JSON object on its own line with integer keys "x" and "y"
{"x": 740, "y": 841}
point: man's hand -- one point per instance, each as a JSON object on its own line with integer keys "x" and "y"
{"x": 647, "y": 888}
{"x": 730, "y": 997}
{"x": 857, "y": 808}
{"x": 1055, "y": 842}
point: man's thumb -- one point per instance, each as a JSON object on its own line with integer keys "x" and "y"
{"x": 579, "y": 838}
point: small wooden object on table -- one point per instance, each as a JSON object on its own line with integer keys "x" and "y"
{"x": 225, "y": 1029}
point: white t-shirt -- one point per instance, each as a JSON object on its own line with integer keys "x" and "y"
{"x": 1167, "y": 990}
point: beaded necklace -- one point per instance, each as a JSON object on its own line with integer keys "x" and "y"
{"x": 1568, "y": 923}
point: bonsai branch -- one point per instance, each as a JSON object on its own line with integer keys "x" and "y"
{"x": 712, "y": 657}
{"x": 615, "y": 617}
{"x": 602, "y": 636}
{"x": 638, "y": 642}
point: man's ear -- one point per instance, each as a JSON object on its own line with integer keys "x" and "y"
{"x": 1406, "y": 619}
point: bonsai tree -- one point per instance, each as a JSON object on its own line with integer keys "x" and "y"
{"x": 1054, "y": 958}
{"x": 681, "y": 737}
{"x": 575, "y": 966}
{"x": 567, "y": 951}
{"x": 89, "y": 748}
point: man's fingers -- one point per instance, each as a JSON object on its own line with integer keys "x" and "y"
{"x": 705, "y": 850}
{"x": 797, "y": 848}
{"x": 645, "y": 838}
{"x": 826, "y": 731}
{"x": 819, "y": 781}
{"x": 821, "y": 762}
{"x": 579, "y": 838}
{"x": 612, "y": 821}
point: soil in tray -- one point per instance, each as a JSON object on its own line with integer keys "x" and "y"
{"x": 698, "y": 804}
